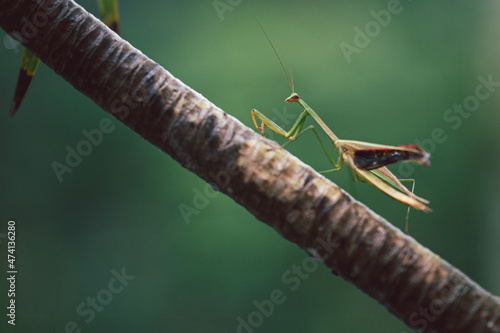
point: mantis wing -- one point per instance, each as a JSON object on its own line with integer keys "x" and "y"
{"x": 372, "y": 156}
{"x": 408, "y": 199}
{"x": 368, "y": 160}
{"x": 390, "y": 178}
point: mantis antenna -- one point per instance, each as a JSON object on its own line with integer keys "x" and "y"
{"x": 290, "y": 82}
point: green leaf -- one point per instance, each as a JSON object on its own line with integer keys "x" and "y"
{"x": 109, "y": 13}
{"x": 29, "y": 65}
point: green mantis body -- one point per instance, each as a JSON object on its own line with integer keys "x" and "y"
{"x": 366, "y": 161}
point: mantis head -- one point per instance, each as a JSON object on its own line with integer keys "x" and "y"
{"x": 294, "y": 97}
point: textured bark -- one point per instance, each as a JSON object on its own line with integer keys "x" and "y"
{"x": 417, "y": 286}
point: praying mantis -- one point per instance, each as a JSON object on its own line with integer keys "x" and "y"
{"x": 366, "y": 161}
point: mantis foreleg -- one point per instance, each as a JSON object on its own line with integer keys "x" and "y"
{"x": 340, "y": 161}
{"x": 294, "y": 133}
{"x": 290, "y": 135}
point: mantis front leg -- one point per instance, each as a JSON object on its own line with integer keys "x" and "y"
{"x": 294, "y": 133}
{"x": 290, "y": 135}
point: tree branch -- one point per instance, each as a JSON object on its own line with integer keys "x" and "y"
{"x": 418, "y": 287}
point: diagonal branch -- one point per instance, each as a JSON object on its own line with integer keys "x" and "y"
{"x": 417, "y": 286}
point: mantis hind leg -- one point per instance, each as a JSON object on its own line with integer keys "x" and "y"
{"x": 408, "y": 211}
{"x": 337, "y": 166}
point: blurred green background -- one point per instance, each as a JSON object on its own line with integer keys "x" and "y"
{"x": 119, "y": 209}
